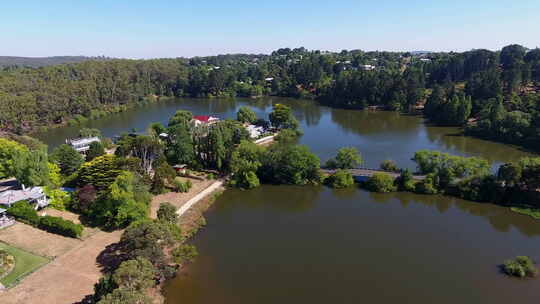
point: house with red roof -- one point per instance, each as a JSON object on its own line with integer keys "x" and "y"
{"x": 198, "y": 120}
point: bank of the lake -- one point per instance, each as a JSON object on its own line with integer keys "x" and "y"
{"x": 318, "y": 245}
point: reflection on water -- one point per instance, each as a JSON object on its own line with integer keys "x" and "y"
{"x": 378, "y": 135}
{"x": 284, "y": 244}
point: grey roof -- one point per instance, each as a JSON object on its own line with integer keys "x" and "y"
{"x": 12, "y": 196}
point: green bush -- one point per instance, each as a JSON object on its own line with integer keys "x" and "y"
{"x": 58, "y": 199}
{"x": 405, "y": 181}
{"x": 426, "y": 186}
{"x": 25, "y": 213}
{"x": 521, "y": 266}
{"x": 381, "y": 182}
{"x": 340, "y": 179}
{"x": 389, "y": 165}
{"x": 180, "y": 186}
{"x": 77, "y": 120}
{"x": 184, "y": 253}
{"x": 58, "y": 225}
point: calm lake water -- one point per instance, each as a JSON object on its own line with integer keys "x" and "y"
{"x": 286, "y": 244}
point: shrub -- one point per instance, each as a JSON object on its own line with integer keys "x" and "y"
{"x": 405, "y": 181}
{"x": 340, "y": 179}
{"x": 184, "y": 253}
{"x": 25, "y": 213}
{"x": 346, "y": 158}
{"x": 521, "y": 266}
{"x": 426, "y": 186}
{"x": 245, "y": 114}
{"x": 58, "y": 199}
{"x": 60, "y": 226}
{"x": 210, "y": 176}
{"x": 7, "y": 262}
{"x": 389, "y": 165}
{"x": 381, "y": 182}
{"x": 286, "y": 136}
{"x": 167, "y": 213}
{"x": 180, "y": 186}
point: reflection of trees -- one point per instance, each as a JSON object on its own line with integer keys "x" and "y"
{"x": 500, "y": 218}
{"x": 366, "y": 122}
{"x": 285, "y": 198}
{"x": 307, "y": 111}
{"x": 450, "y": 139}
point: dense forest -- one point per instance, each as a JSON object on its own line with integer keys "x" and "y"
{"x": 36, "y": 62}
{"x": 491, "y": 94}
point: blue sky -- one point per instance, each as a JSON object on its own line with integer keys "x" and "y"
{"x": 157, "y": 28}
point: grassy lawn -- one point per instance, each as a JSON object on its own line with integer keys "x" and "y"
{"x": 25, "y": 263}
{"x": 535, "y": 213}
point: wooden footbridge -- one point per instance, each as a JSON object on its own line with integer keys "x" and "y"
{"x": 362, "y": 174}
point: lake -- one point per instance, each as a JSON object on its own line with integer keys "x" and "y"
{"x": 288, "y": 244}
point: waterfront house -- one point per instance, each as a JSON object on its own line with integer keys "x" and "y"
{"x": 254, "y": 131}
{"x": 33, "y": 195}
{"x": 82, "y": 145}
{"x": 203, "y": 120}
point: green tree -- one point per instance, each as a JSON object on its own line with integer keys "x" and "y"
{"x": 125, "y": 296}
{"x": 88, "y": 132}
{"x": 147, "y": 239}
{"x": 67, "y": 158}
{"x": 136, "y": 274}
{"x": 184, "y": 254}
{"x": 340, "y": 179}
{"x": 381, "y": 182}
{"x": 245, "y": 161}
{"x": 289, "y": 165}
{"x": 156, "y": 128}
{"x": 405, "y": 181}
{"x": 32, "y": 169}
{"x": 55, "y": 178}
{"x": 9, "y": 152}
{"x": 99, "y": 172}
{"x": 96, "y": 149}
{"x": 162, "y": 174}
{"x": 167, "y": 213}
{"x": 389, "y": 165}
{"x": 346, "y": 158}
{"x": 281, "y": 117}
{"x": 126, "y": 202}
{"x": 180, "y": 118}
{"x": 246, "y": 115}
{"x": 180, "y": 147}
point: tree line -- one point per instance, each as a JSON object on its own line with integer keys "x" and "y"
{"x": 455, "y": 88}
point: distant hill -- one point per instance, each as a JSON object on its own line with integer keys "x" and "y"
{"x": 36, "y": 62}
{"x": 420, "y": 52}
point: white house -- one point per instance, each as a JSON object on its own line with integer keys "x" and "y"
{"x": 34, "y": 195}
{"x": 82, "y": 145}
{"x": 367, "y": 67}
{"x": 254, "y": 131}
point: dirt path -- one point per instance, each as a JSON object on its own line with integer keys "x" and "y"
{"x": 198, "y": 197}
{"x": 67, "y": 279}
{"x": 71, "y": 276}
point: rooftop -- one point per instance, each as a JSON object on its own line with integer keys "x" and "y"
{"x": 12, "y": 196}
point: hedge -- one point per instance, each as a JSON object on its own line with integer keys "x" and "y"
{"x": 58, "y": 225}
{"x": 23, "y": 212}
